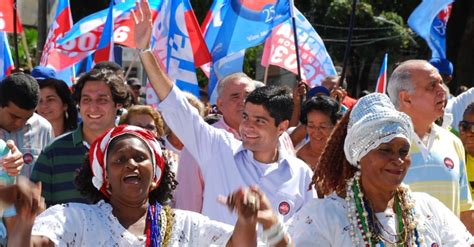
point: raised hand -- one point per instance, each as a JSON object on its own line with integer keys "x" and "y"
{"x": 143, "y": 24}
{"x": 13, "y": 162}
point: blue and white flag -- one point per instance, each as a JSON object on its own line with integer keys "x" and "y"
{"x": 429, "y": 20}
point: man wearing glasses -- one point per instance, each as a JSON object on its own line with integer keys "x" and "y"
{"x": 466, "y": 132}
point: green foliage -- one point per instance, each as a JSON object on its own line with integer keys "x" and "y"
{"x": 31, "y": 35}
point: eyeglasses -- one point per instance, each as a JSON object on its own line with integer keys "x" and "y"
{"x": 466, "y": 126}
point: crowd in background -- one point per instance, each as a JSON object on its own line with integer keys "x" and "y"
{"x": 273, "y": 137}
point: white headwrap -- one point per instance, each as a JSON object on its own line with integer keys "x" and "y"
{"x": 373, "y": 121}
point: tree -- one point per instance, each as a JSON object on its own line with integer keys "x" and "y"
{"x": 379, "y": 29}
{"x": 460, "y": 45}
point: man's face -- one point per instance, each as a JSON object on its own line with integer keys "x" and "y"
{"x": 13, "y": 117}
{"x": 427, "y": 101}
{"x": 97, "y": 108}
{"x": 466, "y": 127}
{"x": 258, "y": 130}
{"x": 231, "y": 102}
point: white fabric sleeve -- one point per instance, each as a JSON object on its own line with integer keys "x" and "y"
{"x": 201, "y": 139}
{"x": 451, "y": 230}
{"x": 198, "y": 230}
{"x": 61, "y": 225}
{"x": 308, "y": 227}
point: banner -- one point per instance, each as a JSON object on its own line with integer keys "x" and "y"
{"x": 247, "y": 23}
{"x": 6, "y": 17}
{"x": 53, "y": 57}
{"x": 280, "y": 50}
{"x": 6, "y": 61}
{"x": 429, "y": 20}
{"x": 179, "y": 46}
{"x": 381, "y": 86}
{"x": 105, "y": 49}
{"x": 84, "y": 36}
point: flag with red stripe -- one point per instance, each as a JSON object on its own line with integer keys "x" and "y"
{"x": 382, "y": 80}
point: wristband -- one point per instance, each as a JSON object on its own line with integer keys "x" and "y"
{"x": 141, "y": 50}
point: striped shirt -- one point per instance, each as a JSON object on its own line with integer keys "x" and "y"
{"x": 30, "y": 140}
{"x": 438, "y": 169}
{"x": 58, "y": 165}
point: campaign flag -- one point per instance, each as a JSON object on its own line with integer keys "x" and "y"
{"x": 381, "y": 86}
{"x": 52, "y": 56}
{"x": 6, "y": 61}
{"x": 179, "y": 46}
{"x": 315, "y": 61}
{"x": 6, "y": 17}
{"x": 84, "y": 36}
{"x": 429, "y": 20}
{"x": 105, "y": 50}
{"x": 247, "y": 23}
{"x": 227, "y": 65}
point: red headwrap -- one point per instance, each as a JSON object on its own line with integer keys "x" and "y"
{"x": 98, "y": 154}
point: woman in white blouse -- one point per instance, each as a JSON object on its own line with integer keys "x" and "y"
{"x": 129, "y": 183}
{"x": 360, "y": 174}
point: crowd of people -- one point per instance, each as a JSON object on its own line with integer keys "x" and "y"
{"x": 267, "y": 166}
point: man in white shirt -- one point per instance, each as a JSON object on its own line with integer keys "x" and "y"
{"x": 227, "y": 163}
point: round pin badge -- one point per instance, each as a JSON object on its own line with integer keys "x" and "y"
{"x": 28, "y": 158}
{"x": 284, "y": 208}
{"x": 449, "y": 163}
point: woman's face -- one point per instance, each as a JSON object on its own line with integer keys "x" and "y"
{"x": 143, "y": 120}
{"x": 384, "y": 167}
{"x": 319, "y": 126}
{"x": 129, "y": 170}
{"x": 50, "y": 105}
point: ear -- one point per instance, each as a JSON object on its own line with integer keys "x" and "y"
{"x": 153, "y": 186}
{"x": 404, "y": 99}
{"x": 283, "y": 126}
{"x": 219, "y": 103}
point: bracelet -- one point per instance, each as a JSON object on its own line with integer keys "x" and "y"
{"x": 275, "y": 233}
{"x": 141, "y": 50}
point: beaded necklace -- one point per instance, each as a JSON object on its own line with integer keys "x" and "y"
{"x": 159, "y": 223}
{"x": 364, "y": 220}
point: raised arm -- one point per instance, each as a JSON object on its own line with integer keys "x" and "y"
{"x": 143, "y": 28}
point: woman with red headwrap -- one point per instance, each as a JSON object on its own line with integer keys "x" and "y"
{"x": 129, "y": 183}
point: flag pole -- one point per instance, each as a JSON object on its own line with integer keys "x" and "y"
{"x": 134, "y": 60}
{"x": 265, "y": 76}
{"x": 15, "y": 35}
{"x": 349, "y": 42}
{"x": 27, "y": 53}
{"x": 295, "y": 36}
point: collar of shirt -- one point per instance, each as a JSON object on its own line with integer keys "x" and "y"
{"x": 78, "y": 138}
{"x": 221, "y": 124}
{"x": 425, "y": 148}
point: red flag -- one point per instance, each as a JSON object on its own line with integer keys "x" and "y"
{"x": 6, "y": 17}
{"x": 382, "y": 80}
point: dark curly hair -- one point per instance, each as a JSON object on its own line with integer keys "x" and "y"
{"x": 324, "y": 104}
{"x": 333, "y": 170}
{"x": 116, "y": 84}
{"x": 163, "y": 194}
{"x": 275, "y": 99}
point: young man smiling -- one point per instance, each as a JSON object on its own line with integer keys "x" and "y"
{"x": 99, "y": 94}
{"x": 226, "y": 162}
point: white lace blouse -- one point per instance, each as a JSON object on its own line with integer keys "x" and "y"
{"x": 76, "y": 224}
{"x": 325, "y": 222}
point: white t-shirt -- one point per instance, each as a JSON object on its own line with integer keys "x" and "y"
{"x": 77, "y": 224}
{"x": 325, "y": 221}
